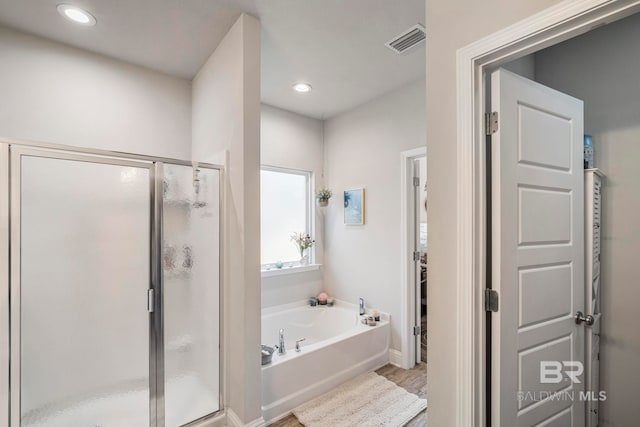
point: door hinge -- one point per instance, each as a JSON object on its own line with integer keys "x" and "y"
{"x": 491, "y": 123}
{"x": 491, "y": 300}
{"x": 150, "y": 301}
{"x": 417, "y": 330}
{"x": 416, "y": 181}
{"x": 416, "y": 256}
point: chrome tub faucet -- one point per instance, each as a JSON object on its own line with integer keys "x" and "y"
{"x": 281, "y": 349}
{"x": 361, "y": 306}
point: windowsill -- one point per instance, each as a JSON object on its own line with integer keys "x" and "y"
{"x": 290, "y": 270}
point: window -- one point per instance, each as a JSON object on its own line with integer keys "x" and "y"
{"x": 285, "y": 209}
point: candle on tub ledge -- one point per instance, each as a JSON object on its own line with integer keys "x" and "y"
{"x": 322, "y": 298}
{"x": 330, "y": 301}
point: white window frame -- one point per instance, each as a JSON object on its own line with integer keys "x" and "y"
{"x": 310, "y": 220}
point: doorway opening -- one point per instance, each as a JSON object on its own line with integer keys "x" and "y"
{"x": 548, "y": 28}
{"x": 610, "y": 96}
{"x": 414, "y": 255}
{"x": 420, "y": 198}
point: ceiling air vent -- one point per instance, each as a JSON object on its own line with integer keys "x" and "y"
{"x": 408, "y": 39}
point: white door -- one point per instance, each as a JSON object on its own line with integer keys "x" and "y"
{"x": 537, "y": 255}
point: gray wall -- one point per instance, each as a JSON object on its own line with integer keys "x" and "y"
{"x": 525, "y": 67}
{"x": 602, "y": 68}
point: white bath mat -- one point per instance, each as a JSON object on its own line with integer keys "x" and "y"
{"x": 369, "y": 400}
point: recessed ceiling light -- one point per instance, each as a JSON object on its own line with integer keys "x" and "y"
{"x": 302, "y": 87}
{"x": 77, "y": 15}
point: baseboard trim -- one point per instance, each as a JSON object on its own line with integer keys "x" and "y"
{"x": 234, "y": 421}
{"x": 258, "y": 422}
{"x": 396, "y": 358}
{"x": 278, "y": 417}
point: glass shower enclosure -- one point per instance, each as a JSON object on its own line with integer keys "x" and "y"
{"x": 110, "y": 285}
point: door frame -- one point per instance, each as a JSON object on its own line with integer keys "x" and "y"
{"x": 4, "y": 285}
{"x": 554, "y": 25}
{"x": 407, "y": 358}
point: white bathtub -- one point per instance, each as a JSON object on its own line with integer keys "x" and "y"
{"x": 337, "y": 347}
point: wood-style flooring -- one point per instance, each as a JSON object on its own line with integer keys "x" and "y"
{"x": 413, "y": 380}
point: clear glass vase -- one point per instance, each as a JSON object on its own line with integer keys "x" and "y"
{"x": 304, "y": 259}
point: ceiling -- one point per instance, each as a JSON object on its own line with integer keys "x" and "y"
{"x": 335, "y": 45}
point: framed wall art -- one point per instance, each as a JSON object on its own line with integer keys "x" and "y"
{"x": 354, "y": 207}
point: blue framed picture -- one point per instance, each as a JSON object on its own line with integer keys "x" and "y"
{"x": 354, "y": 207}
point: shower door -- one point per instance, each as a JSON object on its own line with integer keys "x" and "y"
{"x": 80, "y": 281}
{"x": 114, "y": 289}
{"x": 191, "y": 291}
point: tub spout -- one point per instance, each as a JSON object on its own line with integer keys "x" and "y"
{"x": 281, "y": 348}
{"x": 361, "y": 306}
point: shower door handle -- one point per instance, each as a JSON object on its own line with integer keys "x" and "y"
{"x": 150, "y": 301}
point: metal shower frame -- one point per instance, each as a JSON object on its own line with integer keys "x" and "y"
{"x": 10, "y": 152}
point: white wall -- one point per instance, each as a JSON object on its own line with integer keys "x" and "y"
{"x": 55, "y": 93}
{"x": 293, "y": 141}
{"x": 363, "y": 149}
{"x": 450, "y": 25}
{"x": 226, "y": 127}
{"x": 602, "y": 69}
